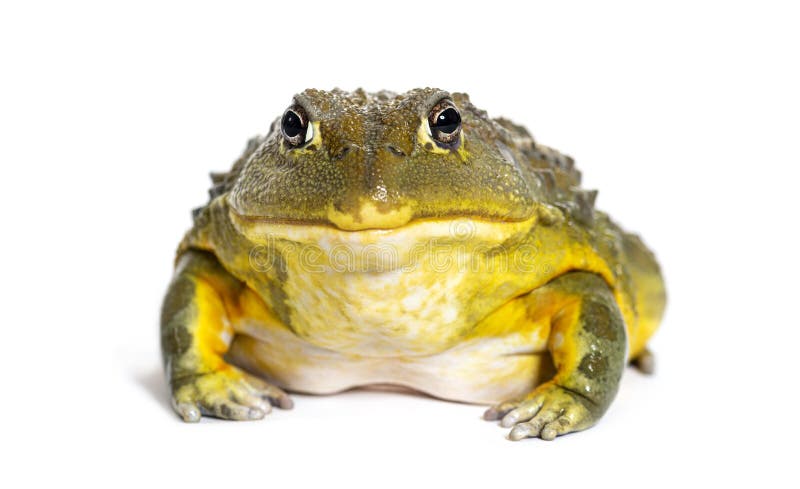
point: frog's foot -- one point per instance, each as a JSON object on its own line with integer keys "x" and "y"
{"x": 548, "y": 412}
{"x": 228, "y": 394}
{"x": 645, "y": 362}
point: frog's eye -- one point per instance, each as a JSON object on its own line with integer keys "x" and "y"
{"x": 295, "y": 127}
{"x": 444, "y": 121}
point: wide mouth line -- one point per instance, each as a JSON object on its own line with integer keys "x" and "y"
{"x": 299, "y": 222}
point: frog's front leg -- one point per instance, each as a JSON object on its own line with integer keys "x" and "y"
{"x": 588, "y": 345}
{"x": 196, "y": 333}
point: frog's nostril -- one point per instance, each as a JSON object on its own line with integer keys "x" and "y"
{"x": 395, "y": 150}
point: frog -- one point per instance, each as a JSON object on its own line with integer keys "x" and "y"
{"x": 409, "y": 240}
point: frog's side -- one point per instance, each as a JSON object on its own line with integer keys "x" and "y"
{"x": 355, "y": 245}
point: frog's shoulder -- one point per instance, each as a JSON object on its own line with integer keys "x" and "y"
{"x": 554, "y": 172}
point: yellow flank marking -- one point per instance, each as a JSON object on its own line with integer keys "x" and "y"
{"x": 552, "y": 316}
{"x": 650, "y": 302}
{"x": 562, "y": 347}
{"x": 213, "y": 331}
{"x": 252, "y": 307}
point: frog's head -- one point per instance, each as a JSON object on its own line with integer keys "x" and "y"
{"x": 377, "y": 161}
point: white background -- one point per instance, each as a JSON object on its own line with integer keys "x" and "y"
{"x": 684, "y": 115}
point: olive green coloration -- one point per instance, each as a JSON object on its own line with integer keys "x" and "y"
{"x": 407, "y": 239}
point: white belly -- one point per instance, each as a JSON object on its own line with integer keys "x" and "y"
{"x": 485, "y": 370}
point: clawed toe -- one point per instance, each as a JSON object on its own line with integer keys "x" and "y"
{"x": 498, "y": 411}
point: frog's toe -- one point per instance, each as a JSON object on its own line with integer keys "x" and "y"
{"x": 234, "y": 411}
{"x": 499, "y": 410}
{"x": 188, "y": 411}
{"x": 268, "y": 392}
{"x": 547, "y": 425}
{"x": 243, "y": 394}
{"x": 645, "y": 362}
{"x": 550, "y": 411}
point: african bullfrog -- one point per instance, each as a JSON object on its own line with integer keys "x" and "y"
{"x": 406, "y": 239}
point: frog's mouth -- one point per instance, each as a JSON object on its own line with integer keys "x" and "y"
{"x": 399, "y": 229}
{"x": 367, "y": 218}
{"x": 370, "y": 217}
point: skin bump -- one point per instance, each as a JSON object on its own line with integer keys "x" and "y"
{"x": 593, "y": 365}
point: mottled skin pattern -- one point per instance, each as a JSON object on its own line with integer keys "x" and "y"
{"x": 258, "y": 304}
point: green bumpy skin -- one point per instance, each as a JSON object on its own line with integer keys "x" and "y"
{"x": 373, "y": 249}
